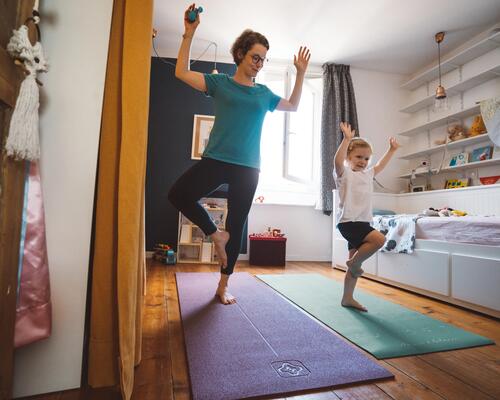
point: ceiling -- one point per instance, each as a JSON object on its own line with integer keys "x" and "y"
{"x": 394, "y": 36}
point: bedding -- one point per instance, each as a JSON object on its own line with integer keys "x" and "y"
{"x": 399, "y": 231}
{"x": 468, "y": 229}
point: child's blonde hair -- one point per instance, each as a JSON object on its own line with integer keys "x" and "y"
{"x": 358, "y": 143}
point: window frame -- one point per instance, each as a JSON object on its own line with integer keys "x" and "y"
{"x": 290, "y": 183}
{"x": 316, "y": 126}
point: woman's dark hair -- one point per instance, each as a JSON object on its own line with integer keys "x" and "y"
{"x": 244, "y": 42}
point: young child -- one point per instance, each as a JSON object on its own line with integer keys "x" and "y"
{"x": 355, "y": 185}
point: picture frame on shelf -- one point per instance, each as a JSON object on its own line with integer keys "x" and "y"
{"x": 481, "y": 153}
{"x": 202, "y": 127}
{"x": 459, "y": 159}
{"x": 456, "y": 183}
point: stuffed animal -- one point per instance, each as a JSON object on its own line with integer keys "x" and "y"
{"x": 443, "y": 212}
{"x": 477, "y": 127}
{"x": 455, "y": 132}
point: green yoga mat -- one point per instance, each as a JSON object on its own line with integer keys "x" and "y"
{"x": 386, "y": 330}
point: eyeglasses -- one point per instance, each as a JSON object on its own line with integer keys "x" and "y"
{"x": 256, "y": 59}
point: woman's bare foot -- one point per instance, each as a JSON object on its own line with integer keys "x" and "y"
{"x": 224, "y": 296}
{"x": 354, "y": 269}
{"x": 353, "y": 304}
{"x": 220, "y": 238}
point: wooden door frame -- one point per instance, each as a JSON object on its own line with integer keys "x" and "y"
{"x": 12, "y": 175}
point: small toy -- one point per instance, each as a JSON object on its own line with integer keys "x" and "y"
{"x": 456, "y": 183}
{"x": 164, "y": 253}
{"x": 194, "y": 13}
{"x": 489, "y": 180}
{"x": 477, "y": 127}
{"x": 443, "y": 212}
{"x": 431, "y": 212}
{"x": 455, "y": 132}
{"x": 458, "y": 213}
{"x": 270, "y": 233}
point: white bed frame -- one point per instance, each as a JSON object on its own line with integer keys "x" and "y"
{"x": 467, "y": 275}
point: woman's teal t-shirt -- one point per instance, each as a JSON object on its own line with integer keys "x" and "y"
{"x": 239, "y": 115}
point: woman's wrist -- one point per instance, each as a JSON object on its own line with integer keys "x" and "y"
{"x": 188, "y": 35}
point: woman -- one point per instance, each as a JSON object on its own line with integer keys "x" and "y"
{"x": 232, "y": 155}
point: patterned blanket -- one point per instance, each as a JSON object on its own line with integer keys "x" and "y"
{"x": 399, "y": 231}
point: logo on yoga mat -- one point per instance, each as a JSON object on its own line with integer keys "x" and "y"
{"x": 290, "y": 369}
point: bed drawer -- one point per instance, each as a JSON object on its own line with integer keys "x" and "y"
{"x": 422, "y": 269}
{"x": 476, "y": 280}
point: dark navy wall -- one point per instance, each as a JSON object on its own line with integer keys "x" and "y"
{"x": 172, "y": 105}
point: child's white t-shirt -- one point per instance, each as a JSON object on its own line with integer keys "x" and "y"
{"x": 355, "y": 195}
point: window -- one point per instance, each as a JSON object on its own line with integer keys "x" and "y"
{"x": 290, "y": 142}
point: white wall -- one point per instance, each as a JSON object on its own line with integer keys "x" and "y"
{"x": 309, "y": 232}
{"x": 378, "y": 100}
{"x": 75, "y": 38}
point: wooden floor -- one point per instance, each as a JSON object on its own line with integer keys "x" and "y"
{"x": 455, "y": 375}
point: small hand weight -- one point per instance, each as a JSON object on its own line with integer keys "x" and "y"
{"x": 194, "y": 13}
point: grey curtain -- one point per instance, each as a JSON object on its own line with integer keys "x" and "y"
{"x": 339, "y": 104}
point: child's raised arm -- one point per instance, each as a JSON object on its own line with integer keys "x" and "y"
{"x": 341, "y": 153}
{"x": 393, "y": 146}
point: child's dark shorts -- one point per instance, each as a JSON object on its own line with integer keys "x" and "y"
{"x": 354, "y": 232}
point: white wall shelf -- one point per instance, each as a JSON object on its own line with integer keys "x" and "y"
{"x": 472, "y": 49}
{"x": 450, "y": 145}
{"x": 468, "y": 112}
{"x": 436, "y": 191}
{"x": 455, "y": 89}
{"x": 476, "y": 164}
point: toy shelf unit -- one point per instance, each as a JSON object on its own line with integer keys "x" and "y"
{"x": 470, "y": 74}
{"x": 193, "y": 245}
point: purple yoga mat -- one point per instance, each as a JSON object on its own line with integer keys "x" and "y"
{"x": 262, "y": 345}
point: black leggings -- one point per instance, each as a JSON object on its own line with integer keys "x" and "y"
{"x": 202, "y": 179}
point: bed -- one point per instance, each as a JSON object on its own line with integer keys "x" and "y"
{"x": 469, "y": 229}
{"x": 455, "y": 259}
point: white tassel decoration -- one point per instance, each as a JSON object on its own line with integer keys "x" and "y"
{"x": 23, "y": 140}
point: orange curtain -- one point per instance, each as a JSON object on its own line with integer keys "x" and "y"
{"x": 118, "y": 268}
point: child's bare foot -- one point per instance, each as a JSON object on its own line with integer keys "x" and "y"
{"x": 355, "y": 269}
{"x": 353, "y": 304}
{"x": 220, "y": 238}
{"x": 224, "y": 296}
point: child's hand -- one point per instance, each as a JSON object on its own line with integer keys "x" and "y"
{"x": 394, "y": 145}
{"x": 346, "y": 130}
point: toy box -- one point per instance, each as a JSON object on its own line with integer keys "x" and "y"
{"x": 267, "y": 250}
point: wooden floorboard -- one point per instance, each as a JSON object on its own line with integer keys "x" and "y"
{"x": 459, "y": 374}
